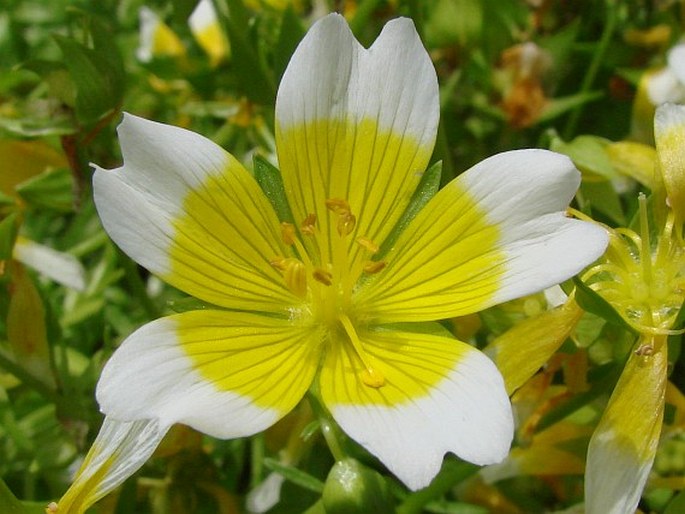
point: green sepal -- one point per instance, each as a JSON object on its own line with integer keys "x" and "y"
{"x": 53, "y": 189}
{"x": 295, "y": 475}
{"x": 8, "y": 235}
{"x": 353, "y": 488}
{"x": 592, "y": 302}
{"x": 270, "y": 180}
{"x": 428, "y": 186}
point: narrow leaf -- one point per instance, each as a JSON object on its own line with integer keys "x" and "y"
{"x": 295, "y": 475}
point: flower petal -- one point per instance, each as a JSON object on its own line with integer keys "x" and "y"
{"x": 226, "y": 374}
{"x": 669, "y": 133}
{"x": 440, "y": 395}
{"x": 523, "y": 349}
{"x": 119, "y": 450}
{"x": 356, "y": 124}
{"x": 61, "y": 267}
{"x": 190, "y": 213}
{"x": 205, "y": 27}
{"x": 624, "y": 444}
{"x": 156, "y": 38}
{"x": 495, "y": 233}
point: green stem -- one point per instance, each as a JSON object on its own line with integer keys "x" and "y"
{"x": 328, "y": 426}
{"x": 452, "y": 473}
{"x": 596, "y": 62}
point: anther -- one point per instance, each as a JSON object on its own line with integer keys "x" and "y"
{"x": 295, "y": 276}
{"x": 52, "y": 507}
{"x": 279, "y": 263}
{"x": 372, "y": 267}
{"x": 288, "y": 233}
{"x": 346, "y": 223}
{"x": 373, "y": 378}
{"x": 368, "y": 245}
{"x": 308, "y": 225}
{"x": 323, "y": 276}
{"x": 338, "y": 206}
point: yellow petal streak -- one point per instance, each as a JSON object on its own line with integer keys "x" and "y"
{"x": 270, "y": 361}
{"x": 224, "y": 242}
{"x": 411, "y": 365}
{"x": 446, "y": 263}
{"x": 623, "y": 446}
{"x": 373, "y": 169}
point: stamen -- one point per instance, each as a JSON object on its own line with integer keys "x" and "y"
{"x": 288, "y": 233}
{"x": 308, "y": 225}
{"x": 367, "y": 244}
{"x": 346, "y": 223}
{"x": 279, "y": 263}
{"x": 323, "y": 276}
{"x": 295, "y": 276}
{"x": 370, "y": 376}
{"x": 372, "y": 267}
{"x": 646, "y": 250}
{"x": 338, "y": 206}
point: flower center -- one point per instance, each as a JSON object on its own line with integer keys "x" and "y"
{"x": 328, "y": 285}
{"x": 643, "y": 279}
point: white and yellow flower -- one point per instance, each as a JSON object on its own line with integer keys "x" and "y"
{"x": 314, "y": 303}
{"x": 657, "y": 87}
{"x": 643, "y": 277}
{"x": 205, "y": 27}
{"x": 156, "y": 38}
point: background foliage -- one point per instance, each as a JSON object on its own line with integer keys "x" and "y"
{"x": 69, "y": 68}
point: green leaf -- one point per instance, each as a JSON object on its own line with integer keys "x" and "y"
{"x": 254, "y": 79}
{"x": 677, "y": 504}
{"x": 8, "y": 234}
{"x": 559, "y": 106}
{"x": 270, "y": 180}
{"x": 8, "y": 503}
{"x": 592, "y": 302}
{"x": 454, "y": 22}
{"x": 588, "y": 154}
{"x": 603, "y": 379}
{"x": 53, "y": 189}
{"x": 428, "y": 186}
{"x": 443, "y": 507}
{"x": 292, "y": 32}
{"x": 295, "y": 475}
{"x": 94, "y": 94}
{"x": 603, "y": 198}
